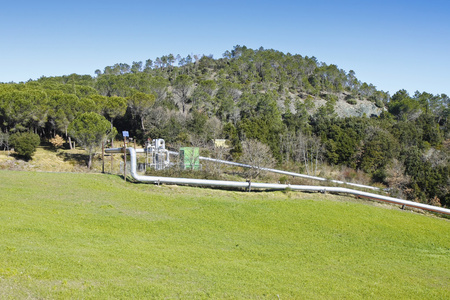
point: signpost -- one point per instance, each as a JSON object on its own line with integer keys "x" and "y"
{"x": 103, "y": 157}
{"x": 125, "y": 134}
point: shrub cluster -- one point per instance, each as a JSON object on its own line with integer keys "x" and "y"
{"x": 25, "y": 143}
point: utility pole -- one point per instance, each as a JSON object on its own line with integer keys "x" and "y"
{"x": 112, "y": 158}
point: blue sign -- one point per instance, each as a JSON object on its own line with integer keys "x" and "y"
{"x": 125, "y": 134}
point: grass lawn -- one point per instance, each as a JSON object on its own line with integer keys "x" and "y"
{"x": 66, "y": 235}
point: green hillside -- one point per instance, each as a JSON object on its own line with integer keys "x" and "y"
{"x": 93, "y": 236}
{"x": 303, "y": 115}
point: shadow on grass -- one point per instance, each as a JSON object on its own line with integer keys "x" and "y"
{"x": 50, "y": 147}
{"x": 82, "y": 159}
{"x": 21, "y": 157}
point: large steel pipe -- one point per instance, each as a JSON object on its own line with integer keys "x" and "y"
{"x": 283, "y": 172}
{"x": 275, "y": 186}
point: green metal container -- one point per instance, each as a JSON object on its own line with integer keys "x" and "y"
{"x": 189, "y": 158}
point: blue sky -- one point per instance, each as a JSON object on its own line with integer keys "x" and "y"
{"x": 392, "y": 44}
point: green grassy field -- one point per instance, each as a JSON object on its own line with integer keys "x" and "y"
{"x": 94, "y": 236}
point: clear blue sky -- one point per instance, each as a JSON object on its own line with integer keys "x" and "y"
{"x": 391, "y": 44}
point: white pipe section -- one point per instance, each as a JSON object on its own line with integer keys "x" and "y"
{"x": 249, "y": 185}
{"x": 284, "y": 172}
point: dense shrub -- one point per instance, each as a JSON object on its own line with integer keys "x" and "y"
{"x": 25, "y": 143}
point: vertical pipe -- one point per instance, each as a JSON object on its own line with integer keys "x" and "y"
{"x": 146, "y": 156}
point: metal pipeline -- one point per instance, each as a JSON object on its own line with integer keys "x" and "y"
{"x": 274, "y": 186}
{"x": 283, "y": 172}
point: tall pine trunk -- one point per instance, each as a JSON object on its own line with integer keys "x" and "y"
{"x": 90, "y": 161}
{"x": 70, "y": 140}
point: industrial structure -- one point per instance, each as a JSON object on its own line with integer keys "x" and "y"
{"x": 156, "y": 155}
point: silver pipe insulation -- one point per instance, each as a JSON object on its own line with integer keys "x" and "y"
{"x": 275, "y": 186}
{"x": 283, "y": 172}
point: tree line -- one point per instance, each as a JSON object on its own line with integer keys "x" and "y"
{"x": 249, "y": 95}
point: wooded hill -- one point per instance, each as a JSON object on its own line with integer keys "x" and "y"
{"x": 305, "y": 112}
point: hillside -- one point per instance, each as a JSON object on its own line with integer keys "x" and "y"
{"x": 95, "y": 236}
{"x": 308, "y": 116}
